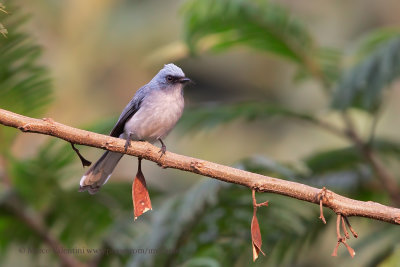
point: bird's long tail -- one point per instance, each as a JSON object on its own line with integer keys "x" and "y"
{"x": 100, "y": 172}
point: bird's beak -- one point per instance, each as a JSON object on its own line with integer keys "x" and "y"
{"x": 184, "y": 80}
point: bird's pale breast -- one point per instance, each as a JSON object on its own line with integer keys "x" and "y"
{"x": 158, "y": 114}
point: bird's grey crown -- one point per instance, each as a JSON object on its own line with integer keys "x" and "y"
{"x": 170, "y": 69}
{"x": 173, "y": 70}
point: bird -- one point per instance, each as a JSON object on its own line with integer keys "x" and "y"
{"x": 149, "y": 116}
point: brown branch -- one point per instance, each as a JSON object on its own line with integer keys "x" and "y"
{"x": 339, "y": 204}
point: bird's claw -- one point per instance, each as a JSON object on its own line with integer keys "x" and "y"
{"x": 127, "y": 144}
{"x": 162, "y": 150}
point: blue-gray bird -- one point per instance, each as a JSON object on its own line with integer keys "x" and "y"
{"x": 149, "y": 116}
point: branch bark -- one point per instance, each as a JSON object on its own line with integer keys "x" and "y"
{"x": 339, "y": 204}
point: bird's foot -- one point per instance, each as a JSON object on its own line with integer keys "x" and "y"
{"x": 163, "y": 148}
{"x": 127, "y": 144}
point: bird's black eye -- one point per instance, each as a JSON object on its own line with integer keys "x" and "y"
{"x": 169, "y": 78}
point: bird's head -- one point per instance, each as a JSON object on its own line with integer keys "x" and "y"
{"x": 171, "y": 76}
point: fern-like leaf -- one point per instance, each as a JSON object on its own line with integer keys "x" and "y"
{"x": 362, "y": 86}
{"x": 262, "y": 25}
{"x": 24, "y": 84}
{"x": 210, "y": 116}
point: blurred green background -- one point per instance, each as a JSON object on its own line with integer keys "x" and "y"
{"x": 269, "y": 76}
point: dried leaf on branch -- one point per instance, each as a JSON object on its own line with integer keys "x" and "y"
{"x": 140, "y": 195}
{"x": 256, "y": 240}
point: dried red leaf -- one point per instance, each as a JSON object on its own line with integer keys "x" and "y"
{"x": 140, "y": 195}
{"x": 256, "y": 240}
{"x": 256, "y": 236}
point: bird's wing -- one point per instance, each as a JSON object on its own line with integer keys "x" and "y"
{"x": 132, "y": 107}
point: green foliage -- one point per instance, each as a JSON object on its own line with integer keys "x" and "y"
{"x": 39, "y": 184}
{"x": 374, "y": 39}
{"x": 210, "y": 116}
{"x": 268, "y": 27}
{"x": 210, "y": 223}
{"x": 24, "y": 84}
{"x": 267, "y": 166}
{"x": 333, "y": 160}
{"x": 25, "y": 87}
{"x": 262, "y": 25}
{"x": 362, "y": 86}
{"x": 258, "y": 24}
{"x": 3, "y": 30}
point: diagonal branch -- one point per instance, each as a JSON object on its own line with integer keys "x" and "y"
{"x": 36, "y": 224}
{"x": 386, "y": 178}
{"x": 339, "y": 204}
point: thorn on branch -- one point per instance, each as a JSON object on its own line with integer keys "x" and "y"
{"x": 322, "y": 198}
{"x": 196, "y": 165}
{"x": 256, "y": 240}
{"x": 341, "y": 220}
{"x": 84, "y": 161}
{"x": 49, "y": 120}
{"x": 25, "y": 128}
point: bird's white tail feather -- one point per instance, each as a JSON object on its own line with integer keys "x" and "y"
{"x": 100, "y": 172}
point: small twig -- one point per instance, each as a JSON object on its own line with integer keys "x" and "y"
{"x": 255, "y": 204}
{"x": 349, "y": 225}
{"x": 346, "y": 234}
{"x": 341, "y": 239}
{"x": 322, "y": 198}
{"x": 84, "y": 161}
{"x": 338, "y": 219}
